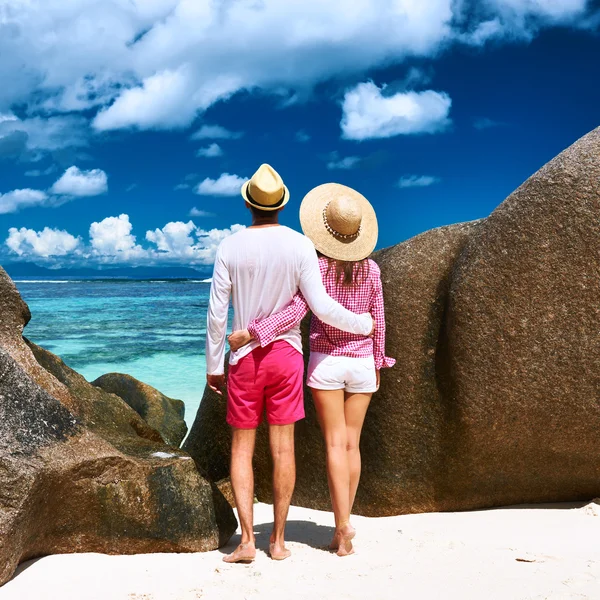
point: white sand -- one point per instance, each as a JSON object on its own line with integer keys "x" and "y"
{"x": 470, "y": 555}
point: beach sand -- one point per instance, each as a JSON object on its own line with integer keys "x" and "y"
{"x": 538, "y": 552}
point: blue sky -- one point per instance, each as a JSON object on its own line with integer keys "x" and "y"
{"x": 126, "y": 128}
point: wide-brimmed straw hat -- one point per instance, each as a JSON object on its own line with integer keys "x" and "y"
{"x": 265, "y": 190}
{"x": 339, "y": 221}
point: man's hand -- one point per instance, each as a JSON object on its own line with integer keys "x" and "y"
{"x": 216, "y": 383}
{"x": 239, "y": 338}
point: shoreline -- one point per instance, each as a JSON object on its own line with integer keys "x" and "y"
{"x": 510, "y": 553}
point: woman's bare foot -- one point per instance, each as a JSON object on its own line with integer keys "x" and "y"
{"x": 278, "y": 551}
{"x": 335, "y": 542}
{"x": 243, "y": 553}
{"x": 345, "y": 535}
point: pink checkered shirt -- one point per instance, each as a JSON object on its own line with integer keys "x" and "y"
{"x": 366, "y": 296}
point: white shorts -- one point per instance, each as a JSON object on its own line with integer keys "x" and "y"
{"x": 354, "y": 375}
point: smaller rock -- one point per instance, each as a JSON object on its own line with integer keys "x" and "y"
{"x": 164, "y": 414}
{"x": 225, "y": 488}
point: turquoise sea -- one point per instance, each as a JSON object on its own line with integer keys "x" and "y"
{"x": 152, "y": 330}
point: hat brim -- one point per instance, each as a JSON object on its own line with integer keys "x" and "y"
{"x": 244, "y": 192}
{"x": 313, "y": 224}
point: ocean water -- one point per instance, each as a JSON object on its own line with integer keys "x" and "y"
{"x": 152, "y": 330}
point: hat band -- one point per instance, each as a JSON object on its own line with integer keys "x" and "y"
{"x": 253, "y": 201}
{"x": 337, "y": 234}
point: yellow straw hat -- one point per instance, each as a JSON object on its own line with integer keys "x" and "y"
{"x": 265, "y": 190}
{"x": 339, "y": 221}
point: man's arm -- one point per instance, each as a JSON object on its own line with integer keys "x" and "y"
{"x": 218, "y": 308}
{"x": 323, "y": 306}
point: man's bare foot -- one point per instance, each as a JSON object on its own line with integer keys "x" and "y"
{"x": 243, "y": 553}
{"x": 278, "y": 551}
{"x": 345, "y": 535}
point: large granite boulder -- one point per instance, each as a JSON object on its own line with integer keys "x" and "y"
{"x": 495, "y": 325}
{"x": 523, "y": 330}
{"x": 164, "y": 414}
{"x": 80, "y": 471}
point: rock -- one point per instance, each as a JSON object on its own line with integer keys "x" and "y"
{"x": 104, "y": 413}
{"x": 164, "y": 414}
{"x": 225, "y": 488}
{"x": 523, "y": 330}
{"x": 80, "y": 471}
{"x": 495, "y": 325}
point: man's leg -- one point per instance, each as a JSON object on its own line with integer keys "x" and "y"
{"x": 284, "y": 396}
{"x": 242, "y": 482}
{"x": 281, "y": 439}
{"x": 245, "y": 400}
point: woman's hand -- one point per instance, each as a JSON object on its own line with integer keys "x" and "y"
{"x": 378, "y": 377}
{"x": 239, "y": 338}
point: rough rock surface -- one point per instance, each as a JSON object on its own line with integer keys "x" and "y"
{"x": 80, "y": 471}
{"x": 495, "y": 325}
{"x": 164, "y": 414}
{"x": 524, "y": 340}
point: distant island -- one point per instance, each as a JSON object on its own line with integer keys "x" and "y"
{"x": 28, "y": 269}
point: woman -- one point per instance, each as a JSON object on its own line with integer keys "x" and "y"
{"x": 343, "y": 369}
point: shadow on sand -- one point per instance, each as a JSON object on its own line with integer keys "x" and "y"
{"x": 302, "y": 532}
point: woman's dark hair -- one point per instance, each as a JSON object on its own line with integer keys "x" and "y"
{"x": 348, "y": 272}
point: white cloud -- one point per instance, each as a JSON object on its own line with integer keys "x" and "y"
{"x": 409, "y": 181}
{"x": 215, "y": 132}
{"x": 75, "y": 182}
{"x": 348, "y": 162}
{"x": 112, "y": 242}
{"x": 112, "y": 237}
{"x": 552, "y": 10}
{"x": 44, "y": 134}
{"x": 45, "y": 243}
{"x": 182, "y": 186}
{"x": 12, "y": 202}
{"x": 178, "y": 241}
{"x": 39, "y": 173}
{"x": 209, "y": 240}
{"x": 174, "y": 238}
{"x": 196, "y": 212}
{"x": 212, "y": 151}
{"x": 485, "y": 123}
{"x": 225, "y": 185}
{"x": 160, "y": 63}
{"x": 302, "y": 136}
{"x": 367, "y": 113}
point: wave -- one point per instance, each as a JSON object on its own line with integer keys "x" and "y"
{"x": 47, "y": 281}
{"x": 113, "y": 280}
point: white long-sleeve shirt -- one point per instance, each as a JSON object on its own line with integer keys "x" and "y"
{"x": 262, "y": 268}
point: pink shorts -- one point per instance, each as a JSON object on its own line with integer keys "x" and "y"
{"x": 270, "y": 378}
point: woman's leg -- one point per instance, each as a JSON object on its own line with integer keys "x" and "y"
{"x": 355, "y": 409}
{"x": 330, "y": 410}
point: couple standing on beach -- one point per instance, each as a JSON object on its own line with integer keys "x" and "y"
{"x": 275, "y": 277}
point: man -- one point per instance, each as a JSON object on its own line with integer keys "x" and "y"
{"x": 262, "y": 267}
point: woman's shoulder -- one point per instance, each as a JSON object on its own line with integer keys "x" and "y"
{"x": 374, "y": 270}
